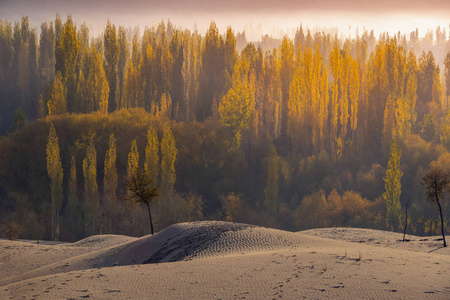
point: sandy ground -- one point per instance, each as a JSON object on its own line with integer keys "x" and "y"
{"x": 219, "y": 260}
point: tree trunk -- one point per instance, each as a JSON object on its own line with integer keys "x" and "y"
{"x": 52, "y": 218}
{"x": 442, "y": 222}
{"x": 150, "y": 217}
{"x": 406, "y": 221}
{"x": 57, "y": 225}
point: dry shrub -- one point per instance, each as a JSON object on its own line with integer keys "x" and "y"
{"x": 12, "y": 230}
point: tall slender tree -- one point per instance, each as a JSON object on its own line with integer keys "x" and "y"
{"x": 91, "y": 196}
{"x": 55, "y": 172}
{"x": 392, "y": 186}
{"x": 112, "y": 53}
{"x": 151, "y": 164}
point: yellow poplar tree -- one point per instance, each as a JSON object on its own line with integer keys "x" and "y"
{"x": 73, "y": 207}
{"x": 151, "y": 164}
{"x": 236, "y": 108}
{"x": 335, "y": 69}
{"x": 55, "y": 172}
{"x": 57, "y": 103}
{"x": 392, "y": 186}
{"x": 354, "y": 93}
{"x": 168, "y": 157}
{"x": 110, "y": 182}
{"x": 91, "y": 197}
{"x": 133, "y": 159}
{"x": 343, "y": 100}
{"x": 98, "y": 88}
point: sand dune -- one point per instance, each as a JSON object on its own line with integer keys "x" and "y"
{"x": 212, "y": 260}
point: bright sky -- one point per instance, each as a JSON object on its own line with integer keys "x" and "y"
{"x": 257, "y": 17}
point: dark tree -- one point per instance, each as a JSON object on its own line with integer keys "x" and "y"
{"x": 437, "y": 180}
{"x": 141, "y": 189}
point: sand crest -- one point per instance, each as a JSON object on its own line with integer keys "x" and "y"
{"x": 212, "y": 260}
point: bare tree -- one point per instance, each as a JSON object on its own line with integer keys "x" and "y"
{"x": 141, "y": 189}
{"x": 437, "y": 180}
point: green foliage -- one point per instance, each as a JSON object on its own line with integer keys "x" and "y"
{"x": 55, "y": 173}
{"x": 168, "y": 157}
{"x": 273, "y": 93}
{"x": 133, "y": 159}
{"x": 392, "y": 186}
{"x": 151, "y": 164}
{"x": 427, "y": 128}
{"x": 91, "y": 196}
{"x": 56, "y": 105}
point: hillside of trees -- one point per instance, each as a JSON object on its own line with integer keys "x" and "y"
{"x": 318, "y": 132}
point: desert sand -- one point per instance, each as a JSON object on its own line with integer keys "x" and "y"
{"x": 220, "y": 260}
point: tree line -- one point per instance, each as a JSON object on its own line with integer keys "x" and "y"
{"x": 293, "y": 120}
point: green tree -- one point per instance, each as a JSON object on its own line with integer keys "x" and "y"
{"x": 211, "y": 81}
{"x": 168, "y": 157}
{"x": 73, "y": 204}
{"x": 122, "y": 63}
{"x": 133, "y": 159}
{"x": 236, "y": 108}
{"x": 392, "y": 186}
{"x": 55, "y": 172}
{"x": 151, "y": 164}
{"x": 97, "y": 88}
{"x": 91, "y": 196}
{"x": 56, "y": 105}
{"x": 66, "y": 60}
{"x": 447, "y": 75}
{"x": 110, "y": 183}
{"x": 112, "y": 53}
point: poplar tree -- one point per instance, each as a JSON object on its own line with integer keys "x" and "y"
{"x": 447, "y": 75}
{"x": 97, "y": 85}
{"x": 112, "y": 51}
{"x": 91, "y": 197}
{"x": 354, "y": 93}
{"x": 56, "y": 105}
{"x": 73, "y": 205}
{"x": 236, "y": 108}
{"x": 168, "y": 157}
{"x": 133, "y": 159}
{"x": 335, "y": 69}
{"x": 343, "y": 100}
{"x": 55, "y": 172}
{"x": 110, "y": 181}
{"x": 67, "y": 51}
{"x": 151, "y": 164}
{"x": 287, "y": 52}
{"x": 392, "y": 186}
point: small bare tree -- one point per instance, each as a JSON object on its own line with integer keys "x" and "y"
{"x": 436, "y": 181}
{"x": 141, "y": 189}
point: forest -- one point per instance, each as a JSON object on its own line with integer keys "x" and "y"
{"x": 316, "y": 131}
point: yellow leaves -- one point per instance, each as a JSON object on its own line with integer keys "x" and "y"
{"x": 111, "y": 177}
{"x": 354, "y": 93}
{"x": 168, "y": 157}
{"x": 236, "y": 107}
{"x": 133, "y": 159}
{"x": 57, "y": 103}
{"x": 54, "y": 168}
{"x": 151, "y": 164}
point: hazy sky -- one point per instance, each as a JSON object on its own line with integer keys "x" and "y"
{"x": 258, "y": 16}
